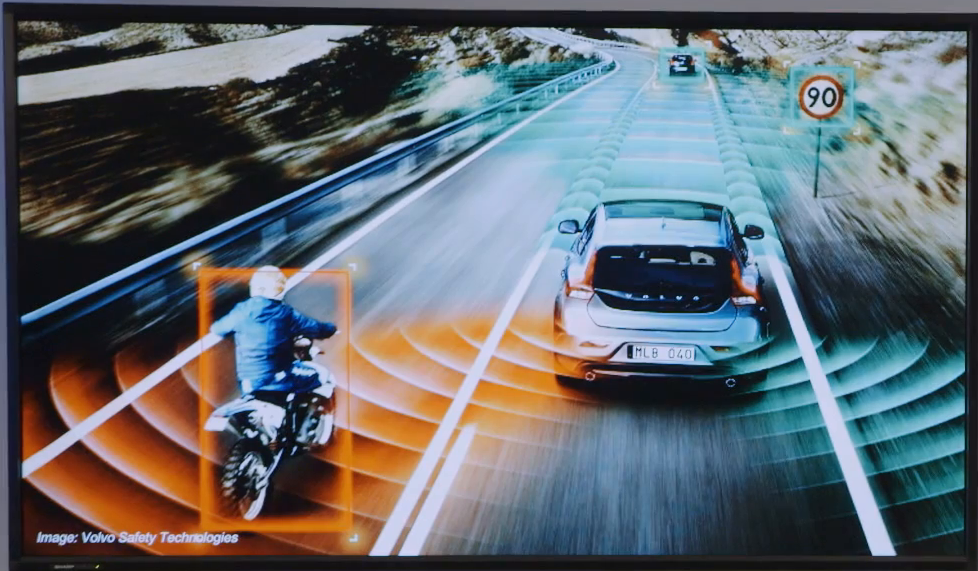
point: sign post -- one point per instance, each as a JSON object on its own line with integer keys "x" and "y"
{"x": 821, "y": 97}
{"x": 818, "y": 155}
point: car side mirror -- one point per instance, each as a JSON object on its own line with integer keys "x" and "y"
{"x": 568, "y": 227}
{"x": 752, "y": 232}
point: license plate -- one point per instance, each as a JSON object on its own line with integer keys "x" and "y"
{"x": 660, "y": 353}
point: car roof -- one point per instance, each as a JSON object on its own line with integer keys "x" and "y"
{"x": 663, "y": 223}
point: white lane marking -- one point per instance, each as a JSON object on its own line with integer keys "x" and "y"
{"x": 715, "y": 91}
{"x": 85, "y": 427}
{"x": 426, "y": 466}
{"x": 868, "y": 512}
{"x": 439, "y": 491}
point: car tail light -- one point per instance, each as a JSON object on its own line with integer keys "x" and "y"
{"x": 745, "y": 289}
{"x": 579, "y": 282}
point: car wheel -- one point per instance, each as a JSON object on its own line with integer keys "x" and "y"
{"x": 568, "y": 381}
{"x": 754, "y": 378}
{"x": 743, "y": 382}
{"x": 562, "y": 376}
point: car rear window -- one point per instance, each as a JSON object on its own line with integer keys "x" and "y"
{"x": 664, "y": 209}
{"x": 663, "y": 278}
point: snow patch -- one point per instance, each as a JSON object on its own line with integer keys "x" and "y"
{"x": 863, "y": 37}
{"x": 654, "y": 37}
{"x": 465, "y": 92}
{"x": 257, "y": 59}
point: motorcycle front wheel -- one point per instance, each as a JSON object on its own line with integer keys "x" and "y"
{"x": 244, "y": 486}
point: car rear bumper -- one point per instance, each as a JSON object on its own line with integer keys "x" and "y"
{"x": 592, "y": 370}
{"x": 583, "y": 349}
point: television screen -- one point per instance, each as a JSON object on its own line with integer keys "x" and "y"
{"x": 434, "y": 287}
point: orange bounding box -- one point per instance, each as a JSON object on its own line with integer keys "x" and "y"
{"x": 312, "y": 493}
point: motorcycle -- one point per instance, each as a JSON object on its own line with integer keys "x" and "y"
{"x": 271, "y": 426}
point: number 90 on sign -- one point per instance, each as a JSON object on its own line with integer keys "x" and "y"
{"x": 821, "y": 96}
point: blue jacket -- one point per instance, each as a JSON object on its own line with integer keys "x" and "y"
{"x": 264, "y": 330}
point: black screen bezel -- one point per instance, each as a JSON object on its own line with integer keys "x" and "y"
{"x": 622, "y": 19}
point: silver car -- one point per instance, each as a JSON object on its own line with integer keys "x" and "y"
{"x": 658, "y": 288}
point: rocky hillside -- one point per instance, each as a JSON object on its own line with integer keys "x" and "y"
{"x": 891, "y": 210}
{"x": 53, "y": 46}
{"x": 108, "y": 180}
{"x": 607, "y": 34}
{"x": 899, "y": 185}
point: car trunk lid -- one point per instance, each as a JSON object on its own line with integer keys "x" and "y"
{"x": 667, "y": 288}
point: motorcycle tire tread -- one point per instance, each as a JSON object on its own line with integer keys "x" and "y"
{"x": 239, "y": 450}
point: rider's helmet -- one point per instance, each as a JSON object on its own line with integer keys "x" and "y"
{"x": 268, "y": 281}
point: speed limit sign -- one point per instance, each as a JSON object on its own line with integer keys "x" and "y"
{"x": 821, "y": 96}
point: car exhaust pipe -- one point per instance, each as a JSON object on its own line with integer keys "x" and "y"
{"x": 731, "y": 383}
{"x": 589, "y": 376}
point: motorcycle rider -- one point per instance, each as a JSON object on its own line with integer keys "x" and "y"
{"x": 264, "y": 329}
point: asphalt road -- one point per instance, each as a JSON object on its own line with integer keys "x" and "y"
{"x": 638, "y": 471}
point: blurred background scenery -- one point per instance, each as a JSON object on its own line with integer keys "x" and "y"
{"x": 141, "y": 135}
{"x": 138, "y": 136}
{"x": 888, "y": 227}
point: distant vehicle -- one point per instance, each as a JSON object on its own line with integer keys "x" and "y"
{"x": 658, "y": 288}
{"x": 682, "y": 64}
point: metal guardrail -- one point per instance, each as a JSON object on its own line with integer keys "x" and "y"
{"x": 780, "y": 75}
{"x": 747, "y": 72}
{"x": 147, "y": 279}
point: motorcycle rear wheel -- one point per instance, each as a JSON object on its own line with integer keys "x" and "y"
{"x": 243, "y": 485}
{"x": 323, "y": 422}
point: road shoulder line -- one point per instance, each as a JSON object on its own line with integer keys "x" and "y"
{"x": 439, "y": 491}
{"x": 857, "y": 483}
